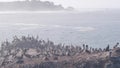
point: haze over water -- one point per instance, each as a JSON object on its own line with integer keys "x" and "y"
{"x": 97, "y": 29}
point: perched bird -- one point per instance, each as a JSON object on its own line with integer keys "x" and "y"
{"x": 116, "y": 45}
{"x": 107, "y": 48}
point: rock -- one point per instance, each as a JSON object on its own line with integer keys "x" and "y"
{"x": 115, "y": 52}
{"x": 112, "y": 65}
{"x": 19, "y": 61}
{"x": 1, "y": 60}
{"x": 46, "y": 55}
{"x": 32, "y": 53}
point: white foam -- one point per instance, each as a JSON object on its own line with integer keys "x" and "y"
{"x": 29, "y": 26}
{"x": 80, "y": 28}
{"x": 84, "y": 29}
{"x": 25, "y": 24}
{"x": 19, "y": 26}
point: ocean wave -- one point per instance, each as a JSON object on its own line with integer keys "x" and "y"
{"x": 84, "y": 29}
{"x": 19, "y": 26}
{"x": 80, "y": 28}
{"x": 30, "y": 26}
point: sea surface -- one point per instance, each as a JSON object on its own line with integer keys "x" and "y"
{"x": 96, "y": 29}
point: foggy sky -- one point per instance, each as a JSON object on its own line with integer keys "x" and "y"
{"x": 85, "y": 3}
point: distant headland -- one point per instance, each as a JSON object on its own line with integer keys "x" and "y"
{"x": 31, "y": 5}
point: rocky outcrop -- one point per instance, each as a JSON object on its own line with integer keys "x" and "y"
{"x": 34, "y": 53}
{"x": 97, "y": 62}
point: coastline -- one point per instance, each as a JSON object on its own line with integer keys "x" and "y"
{"x": 29, "y": 52}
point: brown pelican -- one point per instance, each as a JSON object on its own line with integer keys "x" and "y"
{"x": 116, "y": 45}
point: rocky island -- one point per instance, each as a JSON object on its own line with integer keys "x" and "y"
{"x": 31, "y": 5}
{"x": 31, "y": 52}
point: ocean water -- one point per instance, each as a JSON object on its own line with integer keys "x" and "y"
{"x": 96, "y": 29}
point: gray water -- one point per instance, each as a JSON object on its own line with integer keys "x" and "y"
{"x": 97, "y": 29}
